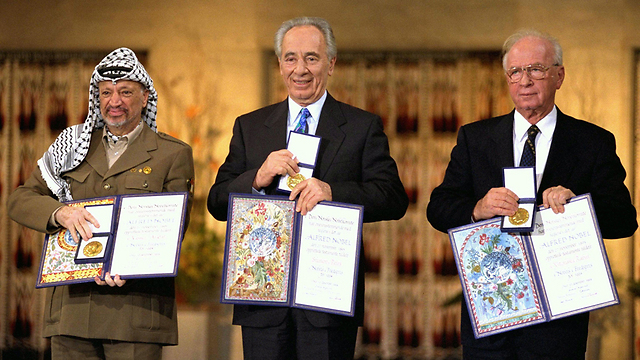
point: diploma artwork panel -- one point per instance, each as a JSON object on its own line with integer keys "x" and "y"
{"x": 516, "y": 279}
{"x": 140, "y": 236}
{"x": 498, "y": 278}
{"x": 57, "y": 265}
{"x": 260, "y": 239}
{"x": 274, "y": 256}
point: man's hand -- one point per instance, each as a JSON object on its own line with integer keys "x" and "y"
{"x": 311, "y": 191}
{"x": 555, "y": 197}
{"x": 76, "y": 220}
{"x": 498, "y": 201}
{"x": 279, "y": 162}
{"x": 108, "y": 280}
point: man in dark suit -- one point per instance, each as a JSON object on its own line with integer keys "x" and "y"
{"x": 117, "y": 150}
{"x": 353, "y": 166}
{"x": 571, "y": 157}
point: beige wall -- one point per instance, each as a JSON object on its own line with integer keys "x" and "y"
{"x": 207, "y": 55}
{"x": 223, "y": 41}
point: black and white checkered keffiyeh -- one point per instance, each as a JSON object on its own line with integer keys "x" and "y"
{"x": 71, "y": 146}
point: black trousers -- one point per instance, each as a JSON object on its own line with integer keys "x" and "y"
{"x": 296, "y": 338}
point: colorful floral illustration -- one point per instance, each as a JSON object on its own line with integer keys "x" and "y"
{"x": 498, "y": 277}
{"x": 259, "y": 250}
{"x": 58, "y": 263}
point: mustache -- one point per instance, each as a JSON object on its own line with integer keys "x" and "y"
{"x": 116, "y": 108}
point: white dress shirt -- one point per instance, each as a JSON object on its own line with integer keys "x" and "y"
{"x": 314, "y": 109}
{"x": 547, "y": 126}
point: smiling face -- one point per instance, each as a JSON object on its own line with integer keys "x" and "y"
{"x": 121, "y": 105}
{"x": 534, "y": 99}
{"x": 304, "y": 64}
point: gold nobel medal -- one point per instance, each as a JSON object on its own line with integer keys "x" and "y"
{"x": 92, "y": 249}
{"x": 295, "y": 180}
{"x": 520, "y": 217}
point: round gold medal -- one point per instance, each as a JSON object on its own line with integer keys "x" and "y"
{"x": 92, "y": 249}
{"x": 520, "y": 217}
{"x": 295, "y": 180}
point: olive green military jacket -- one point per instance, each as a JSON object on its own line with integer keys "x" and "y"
{"x": 143, "y": 310}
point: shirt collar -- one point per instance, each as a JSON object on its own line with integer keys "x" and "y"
{"x": 314, "y": 109}
{"x": 546, "y": 125}
{"x": 126, "y": 137}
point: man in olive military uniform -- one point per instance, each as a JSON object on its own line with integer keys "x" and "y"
{"x": 116, "y": 151}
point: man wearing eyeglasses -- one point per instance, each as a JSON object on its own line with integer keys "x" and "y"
{"x": 570, "y": 156}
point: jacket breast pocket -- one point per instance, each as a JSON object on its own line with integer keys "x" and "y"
{"x": 141, "y": 183}
{"x": 77, "y": 179}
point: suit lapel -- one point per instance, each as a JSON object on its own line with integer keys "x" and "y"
{"x": 97, "y": 156}
{"x": 276, "y": 127}
{"x": 331, "y": 118}
{"x": 561, "y": 155}
{"x": 502, "y": 141}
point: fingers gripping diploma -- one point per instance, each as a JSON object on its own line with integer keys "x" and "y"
{"x": 111, "y": 281}
{"x": 279, "y": 162}
{"x": 498, "y": 201}
{"x": 311, "y": 191}
{"x": 556, "y": 197}
{"x": 76, "y": 220}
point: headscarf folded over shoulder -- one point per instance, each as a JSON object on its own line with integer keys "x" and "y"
{"x": 71, "y": 146}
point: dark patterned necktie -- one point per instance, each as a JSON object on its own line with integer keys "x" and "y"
{"x": 529, "y": 151}
{"x": 303, "y": 126}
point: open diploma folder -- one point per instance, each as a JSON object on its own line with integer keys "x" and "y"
{"x": 274, "y": 256}
{"x": 512, "y": 280}
{"x": 139, "y": 237}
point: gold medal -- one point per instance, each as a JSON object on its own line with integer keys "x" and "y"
{"x": 295, "y": 180}
{"x": 92, "y": 249}
{"x": 520, "y": 217}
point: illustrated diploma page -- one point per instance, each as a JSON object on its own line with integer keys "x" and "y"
{"x": 512, "y": 280}
{"x": 275, "y": 256}
{"x": 139, "y": 236}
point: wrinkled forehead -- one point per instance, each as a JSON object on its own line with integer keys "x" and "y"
{"x": 121, "y": 84}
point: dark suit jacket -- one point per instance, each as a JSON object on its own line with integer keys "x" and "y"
{"x": 353, "y": 159}
{"x": 143, "y": 310}
{"x": 582, "y": 158}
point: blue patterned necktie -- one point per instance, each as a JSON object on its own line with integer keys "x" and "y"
{"x": 529, "y": 151}
{"x": 303, "y": 126}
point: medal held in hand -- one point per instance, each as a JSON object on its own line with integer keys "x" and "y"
{"x": 520, "y": 217}
{"x": 293, "y": 181}
{"x": 92, "y": 249}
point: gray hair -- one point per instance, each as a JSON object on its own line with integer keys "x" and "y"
{"x": 319, "y": 23}
{"x": 513, "y": 39}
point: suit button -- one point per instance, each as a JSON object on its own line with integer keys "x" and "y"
{"x": 106, "y": 186}
{"x": 145, "y": 185}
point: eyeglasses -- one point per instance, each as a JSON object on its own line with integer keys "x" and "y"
{"x": 535, "y": 72}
